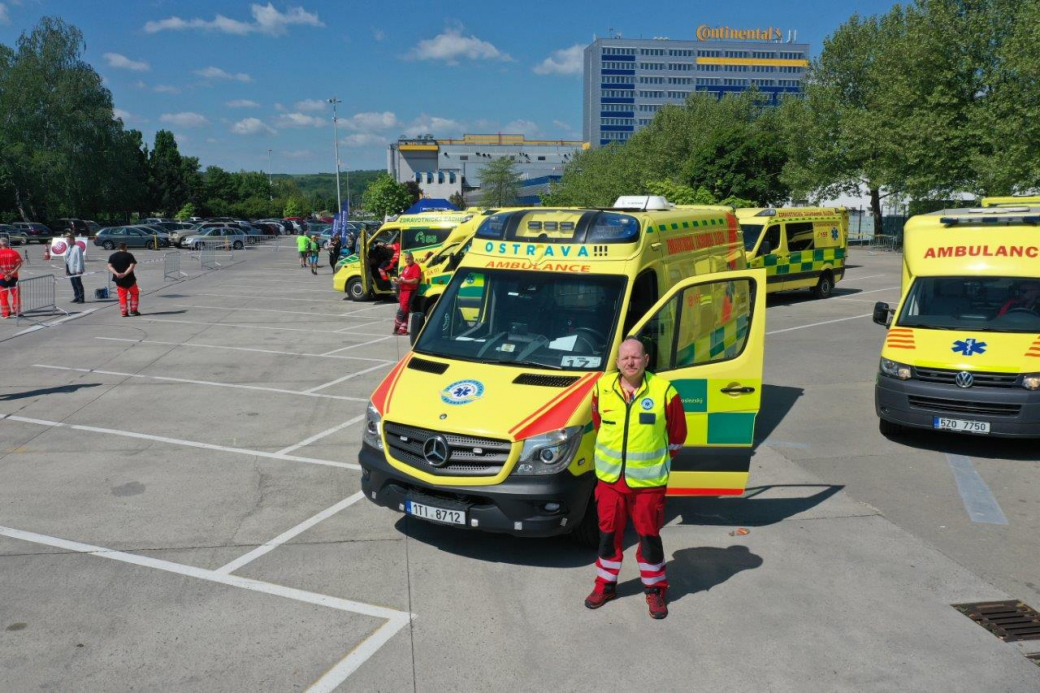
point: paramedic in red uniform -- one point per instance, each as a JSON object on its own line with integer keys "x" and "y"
{"x": 10, "y": 262}
{"x": 407, "y": 285}
{"x": 390, "y": 264}
{"x": 640, "y": 426}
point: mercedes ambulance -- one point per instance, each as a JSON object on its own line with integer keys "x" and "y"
{"x": 486, "y": 423}
{"x": 963, "y": 347}
{"x": 799, "y": 247}
{"x": 358, "y": 274}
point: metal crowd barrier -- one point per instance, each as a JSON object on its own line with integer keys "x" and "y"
{"x": 35, "y": 295}
{"x": 172, "y": 267}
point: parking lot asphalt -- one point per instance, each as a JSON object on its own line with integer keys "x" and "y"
{"x": 180, "y": 510}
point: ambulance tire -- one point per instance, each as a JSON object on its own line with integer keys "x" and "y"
{"x": 356, "y": 291}
{"x": 888, "y": 428}
{"x": 825, "y": 286}
{"x": 586, "y": 532}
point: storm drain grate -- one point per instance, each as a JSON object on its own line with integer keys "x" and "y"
{"x": 1009, "y": 621}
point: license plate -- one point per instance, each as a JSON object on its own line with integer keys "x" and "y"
{"x": 961, "y": 425}
{"x": 428, "y": 512}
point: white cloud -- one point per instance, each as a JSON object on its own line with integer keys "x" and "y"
{"x": 166, "y": 89}
{"x": 4, "y": 17}
{"x": 310, "y": 105}
{"x": 300, "y": 120}
{"x": 242, "y": 103}
{"x": 297, "y": 154}
{"x": 363, "y": 140}
{"x": 216, "y": 73}
{"x": 186, "y": 119}
{"x": 212, "y": 140}
{"x": 369, "y": 122}
{"x": 252, "y": 126}
{"x": 451, "y": 45}
{"x": 529, "y": 128}
{"x": 434, "y": 125}
{"x": 266, "y": 20}
{"x": 124, "y": 63}
{"x": 378, "y": 34}
{"x": 279, "y": 107}
{"x": 568, "y": 61}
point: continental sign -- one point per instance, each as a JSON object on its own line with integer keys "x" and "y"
{"x": 1030, "y": 251}
{"x": 707, "y": 33}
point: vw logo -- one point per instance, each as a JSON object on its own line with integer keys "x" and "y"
{"x": 436, "y": 451}
{"x": 964, "y": 379}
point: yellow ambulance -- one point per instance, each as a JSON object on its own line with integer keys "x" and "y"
{"x": 486, "y": 423}
{"x": 799, "y": 247}
{"x": 963, "y": 347}
{"x": 422, "y": 234}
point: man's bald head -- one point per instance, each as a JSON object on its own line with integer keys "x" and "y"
{"x": 635, "y": 343}
{"x": 4, "y": 243}
{"x": 632, "y": 360}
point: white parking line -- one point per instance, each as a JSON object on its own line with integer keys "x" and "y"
{"x": 345, "y": 378}
{"x": 52, "y": 323}
{"x": 860, "y": 293}
{"x": 869, "y": 276}
{"x": 355, "y": 346}
{"x": 979, "y": 501}
{"x": 352, "y": 329}
{"x": 308, "y": 393}
{"x": 302, "y": 313}
{"x": 178, "y": 441}
{"x": 318, "y": 436}
{"x": 269, "y": 546}
{"x": 395, "y": 620}
{"x": 265, "y": 297}
{"x": 817, "y": 324}
{"x": 218, "y": 346}
{"x": 363, "y": 310}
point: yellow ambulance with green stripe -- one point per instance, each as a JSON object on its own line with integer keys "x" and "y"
{"x": 799, "y": 247}
{"x": 486, "y": 424}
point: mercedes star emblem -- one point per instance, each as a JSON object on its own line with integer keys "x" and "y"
{"x": 964, "y": 379}
{"x": 436, "y": 451}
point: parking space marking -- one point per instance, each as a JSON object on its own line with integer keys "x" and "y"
{"x": 232, "y": 348}
{"x": 269, "y": 546}
{"x": 817, "y": 324}
{"x": 979, "y": 501}
{"x": 363, "y": 310}
{"x": 211, "y": 383}
{"x": 859, "y": 293}
{"x": 352, "y": 329}
{"x": 53, "y": 323}
{"x": 304, "y": 313}
{"x": 185, "y": 443}
{"x": 355, "y": 346}
{"x": 869, "y": 276}
{"x": 265, "y": 297}
{"x": 318, "y": 436}
{"x": 345, "y": 378}
{"x": 395, "y": 620}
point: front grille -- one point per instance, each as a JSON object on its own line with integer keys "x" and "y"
{"x": 468, "y": 455}
{"x": 545, "y": 380}
{"x": 946, "y": 377}
{"x": 418, "y": 364}
{"x": 964, "y": 407}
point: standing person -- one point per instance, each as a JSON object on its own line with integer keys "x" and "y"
{"x": 303, "y": 245}
{"x": 313, "y": 249}
{"x": 10, "y": 262}
{"x": 407, "y": 285}
{"x": 74, "y": 267}
{"x": 640, "y": 426}
{"x": 121, "y": 264}
{"x": 335, "y": 246}
{"x": 391, "y": 264}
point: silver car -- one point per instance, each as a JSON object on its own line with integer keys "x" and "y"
{"x": 216, "y": 236}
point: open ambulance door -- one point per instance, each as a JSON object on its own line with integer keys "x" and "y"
{"x": 707, "y": 335}
{"x": 364, "y": 244}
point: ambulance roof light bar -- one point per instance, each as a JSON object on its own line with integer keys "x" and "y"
{"x": 767, "y": 213}
{"x": 642, "y": 203}
{"x": 1031, "y": 220}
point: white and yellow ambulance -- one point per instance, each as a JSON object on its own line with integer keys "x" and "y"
{"x": 421, "y": 234}
{"x": 963, "y": 347}
{"x": 799, "y": 247}
{"x": 486, "y": 423}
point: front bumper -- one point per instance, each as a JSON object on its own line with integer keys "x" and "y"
{"x": 915, "y": 404}
{"x": 516, "y": 506}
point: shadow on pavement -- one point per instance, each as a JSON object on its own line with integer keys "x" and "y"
{"x": 63, "y": 389}
{"x": 162, "y": 312}
{"x": 796, "y": 296}
{"x": 983, "y": 447}
{"x": 777, "y": 402}
{"x": 698, "y": 570}
{"x": 749, "y": 510}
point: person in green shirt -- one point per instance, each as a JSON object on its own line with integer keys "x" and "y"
{"x": 303, "y": 245}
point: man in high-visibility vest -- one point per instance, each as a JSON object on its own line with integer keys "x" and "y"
{"x": 640, "y": 426}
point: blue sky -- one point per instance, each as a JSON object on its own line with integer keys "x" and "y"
{"x": 234, "y": 79}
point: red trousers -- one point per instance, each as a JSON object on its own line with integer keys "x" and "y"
{"x": 404, "y": 303}
{"x": 5, "y": 308}
{"x": 615, "y": 503}
{"x": 132, "y": 293}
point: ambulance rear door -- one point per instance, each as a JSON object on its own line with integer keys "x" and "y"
{"x": 706, "y": 335}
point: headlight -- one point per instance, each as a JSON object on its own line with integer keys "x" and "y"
{"x": 550, "y": 452}
{"x": 1031, "y": 381}
{"x": 373, "y": 428}
{"x": 895, "y": 369}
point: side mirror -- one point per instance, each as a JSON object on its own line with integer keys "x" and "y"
{"x": 882, "y": 313}
{"x": 416, "y": 321}
{"x": 765, "y": 248}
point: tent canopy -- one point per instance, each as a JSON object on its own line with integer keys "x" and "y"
{"x": 430, "y": 204}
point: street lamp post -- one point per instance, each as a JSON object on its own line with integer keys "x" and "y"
{"x": 270, "y": 177}
{"x": 335, "y": 134}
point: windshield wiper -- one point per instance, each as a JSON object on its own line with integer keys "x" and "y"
{"x": 535, "y": 364}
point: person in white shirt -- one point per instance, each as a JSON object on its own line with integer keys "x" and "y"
{"x": 74, "y": 267}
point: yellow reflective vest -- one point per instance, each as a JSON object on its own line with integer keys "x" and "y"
{"x": 633, "y": 436}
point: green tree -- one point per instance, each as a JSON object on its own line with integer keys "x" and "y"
{"x": 293, "y": 208}
{"x": 385, "y": 196}
{"x": 457, "y": 200}
{"x": 187, "y": 212}
{"x": 169, "y": 189}
{"x": 499, "y": 182}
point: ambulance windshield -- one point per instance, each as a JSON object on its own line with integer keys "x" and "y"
{"x": 533, "y": 319}
{"x": 560, "y": 226}
{"x": 997, "y": 304}
{"x": 751, "y": 234}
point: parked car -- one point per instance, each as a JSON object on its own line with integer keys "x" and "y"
{"x": 77, "y": 227}
{"x": 134, "y": 237}
{"x": 155, "y": 230}
{"x": 156, "y": 220}
{"x": 234, "y": 237}
{"x": 34, "y": 231}
{"x": 14, "y": 234}
{"x": 92, "y": 227}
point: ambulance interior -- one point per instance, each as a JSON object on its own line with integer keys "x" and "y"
{"x": 979, "y": 303}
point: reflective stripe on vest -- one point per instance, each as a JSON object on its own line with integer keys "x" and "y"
{"x": 637, "y": 442}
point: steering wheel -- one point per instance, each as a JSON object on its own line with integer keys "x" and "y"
{"x": 595, "y": 333}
